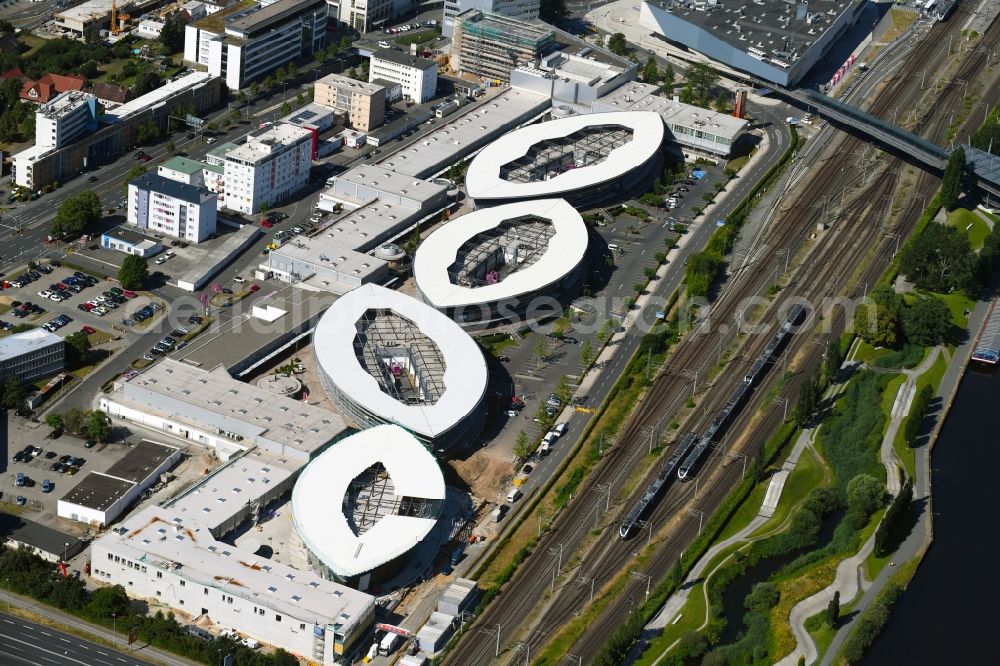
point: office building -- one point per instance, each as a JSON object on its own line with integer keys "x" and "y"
{"x": 522, "y": 10}
{"x": 490, "y": 46}
{"x": 270, "y": 167}
{"x": 65, "y": 119}
{"x": 416, "y": 76}
{"x": 31, "y": 355}
{"x": 165, "y": 206}
{"x": 173, "y": 559}
{"x": 692, "y": 127}
{"x": 367, "y": 15}
{"x": 773, "y": 40}
{"x": 210, "y": 408}
{"x": 362, "y": 103}
{"x": 244, "y": 43}
{"x": 128, "y": 241}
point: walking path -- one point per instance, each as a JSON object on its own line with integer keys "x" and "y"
{"x": 850, "y": 580}
{"x": 919, "y": 539}
{"x": 671, "y": 610}
{"x": 900, "y": 408}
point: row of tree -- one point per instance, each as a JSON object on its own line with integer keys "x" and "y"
{"x": 95, "y": 424}
{"x": 888, "y": 322}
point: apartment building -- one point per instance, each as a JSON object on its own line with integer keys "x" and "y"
{"x": 66, "y": 118}
{"x": 269, "y": 167}
{"x": 363, "y": 103}
{"x": 490, "y": 46}
{"x": 31, "y": 355}
{"x": 242, "y": 44}
{"x": 172, "y": 208}
{"x": 522, "y": 10}
{"x": 416, "y": 76}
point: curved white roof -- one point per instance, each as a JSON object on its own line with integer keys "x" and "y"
{"x": 465, "y": 368}
{"x": 318, "y": 498}
{"x": 483, "y": 181}
{"x": 566, "y": 249}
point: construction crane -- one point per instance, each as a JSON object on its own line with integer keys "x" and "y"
{"x": 117, "y": 20}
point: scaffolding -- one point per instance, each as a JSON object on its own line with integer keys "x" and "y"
{"x": 551, "y": 157}
{"x": 492, "y": 256}
{"x": 406, "y": 363}
{"x": 371, "y": 497}
{"x": 491, "y": 45}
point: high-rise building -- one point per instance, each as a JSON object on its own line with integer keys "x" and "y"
{"x": 173, "y": 208}
{"x": 523, "y": 10}
{"x": 367, "y": 15}
{"x": 269, "y": 167}
{"x": 362, "y": 102}
{"x": 417, "y": 76}
{"x": 242, "y": 43}
{"x": 66, "y": 118}
{"x": 490, "y": 46}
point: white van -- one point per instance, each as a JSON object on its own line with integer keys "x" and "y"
{"x": 513, "y": 495}
{"x": 560, "y": 428}
{"x": 383, "y": 44}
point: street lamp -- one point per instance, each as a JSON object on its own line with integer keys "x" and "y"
{"x": 65, "y": 547}
{"x": 114, "y": 627}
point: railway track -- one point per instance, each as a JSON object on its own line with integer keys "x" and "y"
{"x": 830, "y": 264}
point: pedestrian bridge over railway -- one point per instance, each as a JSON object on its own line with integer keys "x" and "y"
{"x": 984, "y": 172}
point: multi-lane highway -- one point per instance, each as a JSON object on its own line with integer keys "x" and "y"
{"x": 29, "y": 644}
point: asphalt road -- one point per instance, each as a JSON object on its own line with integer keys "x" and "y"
{"x": 23, "y": 642}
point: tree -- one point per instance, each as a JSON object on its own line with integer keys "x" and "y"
{"x": 864, "y": 495}
{"x": 521, "y": 446}
{"x": 808, "y": 402}
{"x": 759, "y": 465}
{"x": 172, "y": 33}
{"x": 669, "y": 78}
{"x": 919, "y": 410}
{"x": 701, "y": 78}
{"x": 171, "y": 147}
{"x": 939, "y": 259}
{"x": 54, "y": 421}
{"x": 987, "y": 137}
{"x": 75, "y": 420}
{"x": 926, "y": 322}
{"x": 951, "y": 181}
{"x": 286, "y": 108}
{"x": 107, "y": 602}
{"x": 146, "y": 82}
{"x": 650, "y": 73}
{"x": 563, "y": 390}
{"x": 133, "y": 272}
{"x": 77, "y": 348}
{"x": 686, "y": 95}
{"x": 292, "y": 70}
{"x": 617, "y": 44}
{"x": 254, "y": 89}
{"x": 542, "y": 414}
{"x": 319, "y": 55}
{"x": 300, "y": 99}
{"x": 586, "y": 353}
{"x": 268, "y": 83}
{"x": 542, "y": 349}
{"x": 834, "y": 359}
{"x": 880, "y": 330}
{"x": 833, "y": 609}
{"x": 281, "y": 75}
{"x": 76, "y": 213}
{"x": 99, "y": 426}
{"x": 147, "y": 133}
{"x": 763, "y": 597}
{"x": 888, "y": 530}
{"x": 13, "y": 392}
{"x": 345, "y": 43}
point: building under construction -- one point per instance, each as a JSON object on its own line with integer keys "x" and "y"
{"x": 490, "y": 45}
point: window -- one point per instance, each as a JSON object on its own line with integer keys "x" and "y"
{"x": 277, "y": 618}
{"x": 302, "y": 626}
{"x": 159, "y": 574}
{"x": 206, "y": 590}
{"x": 182, "y": 583}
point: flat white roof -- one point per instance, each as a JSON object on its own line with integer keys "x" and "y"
{"x": 459, "y": 136}
{"x": 164, "y": 92}
{"x": 318, "y": 498}
{"x": 483, "y": 179}
{"x": 464, "y": 376}
{"x": 270, "y": 141}
{"x": 637, "y": 96}
{"x": 325, "y": 254}
{"x": 161, "y": 538}
{"x": 566, "y": 249}
{"x": 29, "y": 341}
{"x": 213, "y": 399}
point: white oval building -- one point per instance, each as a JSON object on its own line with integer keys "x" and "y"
{"x": 585, "y": 159}
{"x": 363, "y": 504}
{"x": 385, "y": 357}
{"x": 496, "y": 263}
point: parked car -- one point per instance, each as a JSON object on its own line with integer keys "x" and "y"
{"x": 88, "y": 330}
{"x": 89, "y": 444}
{"x": 46, "y": 486}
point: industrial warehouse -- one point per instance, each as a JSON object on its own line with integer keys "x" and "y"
{"x": 489, "y": 264}
{"x": 385, "y": 357}
{"x": 392, "y": 491}
{"x": 584, "y": 159}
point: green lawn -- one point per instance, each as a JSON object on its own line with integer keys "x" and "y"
{"x": 418, "y": 37}
{"x": 692, "y": 616}
{"x": 746, "y": 512}
{"x": 974, "y": 226}
{"x": 866, "y": 353}
{"x": 808, "y": 474}
{"x": 738, "y": 163}
{"x": 31, "y": 41}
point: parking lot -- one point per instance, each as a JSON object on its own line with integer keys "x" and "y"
{"x": 38, "y": 505}
{"x": 103, "y": 316}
